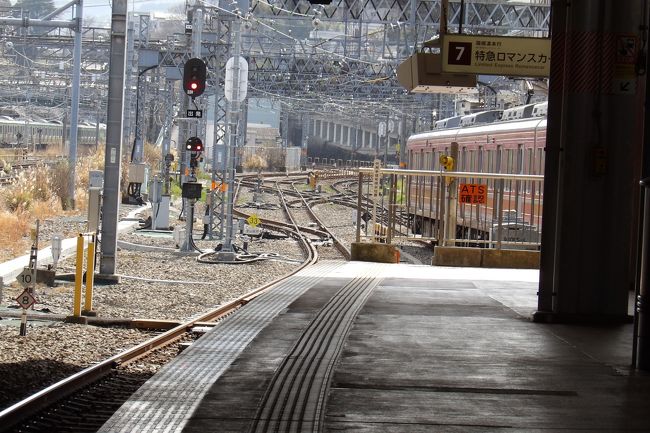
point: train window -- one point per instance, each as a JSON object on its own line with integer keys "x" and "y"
{"x": 520, "y": 158}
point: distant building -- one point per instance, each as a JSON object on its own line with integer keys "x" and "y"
{"x": 261, "y": 135}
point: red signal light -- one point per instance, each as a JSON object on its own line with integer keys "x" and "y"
{"x": 194, "y": 144}
{"x": 194, "y": 85}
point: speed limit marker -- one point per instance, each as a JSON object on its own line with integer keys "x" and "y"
{"x": 253, "y": 220}
{"x": 26, "y": 299}
{"x": 25, "y": 278}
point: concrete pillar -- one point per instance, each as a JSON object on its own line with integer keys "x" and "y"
{"x": 593, "y": 157}
{"x": 347, "y": 136}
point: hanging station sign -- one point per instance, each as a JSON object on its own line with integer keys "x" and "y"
{"x": 496, "y": 55}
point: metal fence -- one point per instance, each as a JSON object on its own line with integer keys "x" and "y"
{"x": 486, "y": 210}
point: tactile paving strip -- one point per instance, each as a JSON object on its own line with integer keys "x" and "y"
{"x": 167, "y": 400}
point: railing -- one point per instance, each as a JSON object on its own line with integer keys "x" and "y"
{"x": 487, "y": 210}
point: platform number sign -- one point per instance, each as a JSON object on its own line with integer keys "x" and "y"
{"x": 460, "y": 53}
{"x": 26, "y": 299}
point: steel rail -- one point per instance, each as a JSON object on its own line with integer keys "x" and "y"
{"x": 22, "y": 409}
{"x": 337, "y": 243}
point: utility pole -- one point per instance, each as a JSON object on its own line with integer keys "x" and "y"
{"x": 113, "y": 156}
{"x": 74, "y": 121}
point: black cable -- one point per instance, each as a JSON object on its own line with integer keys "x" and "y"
{"x": 190, "y": 234}
{"x": 206, "y": 226}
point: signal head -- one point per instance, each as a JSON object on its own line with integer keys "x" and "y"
{"x": 194, "y": 144}
{"x": 194, "y": 76}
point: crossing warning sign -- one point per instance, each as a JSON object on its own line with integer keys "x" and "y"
{"x": 472, "y": 193}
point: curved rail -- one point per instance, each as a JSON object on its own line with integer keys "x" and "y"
{"x": 44, "y": 398}
{"x": 337, "y": 243}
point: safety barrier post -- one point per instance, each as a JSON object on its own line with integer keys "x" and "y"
{"x": 90, "y": 276}
{"x": 392, "y": 194}
{"x": 499, "y": 206}
{"x": 359, "y": 196}
{"x": 76, "y": 308}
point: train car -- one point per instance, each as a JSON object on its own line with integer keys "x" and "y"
{"x": 520, "y": 112}
{"x": 38, "y": 135}
{"x": 450, "y": 122}
{"x": 502, "y": 147}
{"x": 507, "y": 147}
{"x": 481, "y": 117}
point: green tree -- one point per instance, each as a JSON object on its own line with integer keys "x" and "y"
{"x": 36, "y": 8}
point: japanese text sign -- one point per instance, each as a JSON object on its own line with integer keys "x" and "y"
{"x": 472, "y": 193}
{"x": 496, "y": 55}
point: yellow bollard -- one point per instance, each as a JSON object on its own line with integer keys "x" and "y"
{"x": 90, "y": 275}
{"x": 76, "y": 309}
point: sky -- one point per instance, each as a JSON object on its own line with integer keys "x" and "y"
{"x": 100, "y": 10}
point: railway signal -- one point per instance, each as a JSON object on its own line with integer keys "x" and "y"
{"x": 194, "y": 75}
{"x": 194, "y": 144}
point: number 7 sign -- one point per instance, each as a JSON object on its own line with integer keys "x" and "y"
{"x": 460, "y": 53}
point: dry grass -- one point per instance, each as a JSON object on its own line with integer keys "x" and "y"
{"x": 13, "y": 227}
{"x": 41, "y": 193}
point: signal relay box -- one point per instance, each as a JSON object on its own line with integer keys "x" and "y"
{"x": 138, "y": 172}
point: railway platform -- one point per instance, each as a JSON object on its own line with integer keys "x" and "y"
{"x": 366, "y": 347}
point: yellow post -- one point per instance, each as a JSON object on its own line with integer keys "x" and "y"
{"x": 76, "y": 309}
{"x": 90, "y": 274}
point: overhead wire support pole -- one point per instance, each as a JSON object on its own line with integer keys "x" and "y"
{"x": 233, "y": 120}
{"x": 112, "y": 158}
{"x": 74, "y": 112}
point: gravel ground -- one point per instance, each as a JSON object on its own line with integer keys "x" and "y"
{"x": 155, "y": 285}
{"x": 52, "y": 352}
{"x": 162, "y": 284}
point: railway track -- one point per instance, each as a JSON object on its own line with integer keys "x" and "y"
{"x": 299, "y": 215}
{"x": 70, "y": 401}
{"x": 20, "y": 166}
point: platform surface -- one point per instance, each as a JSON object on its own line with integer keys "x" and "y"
{"x": 432, "y": 350}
